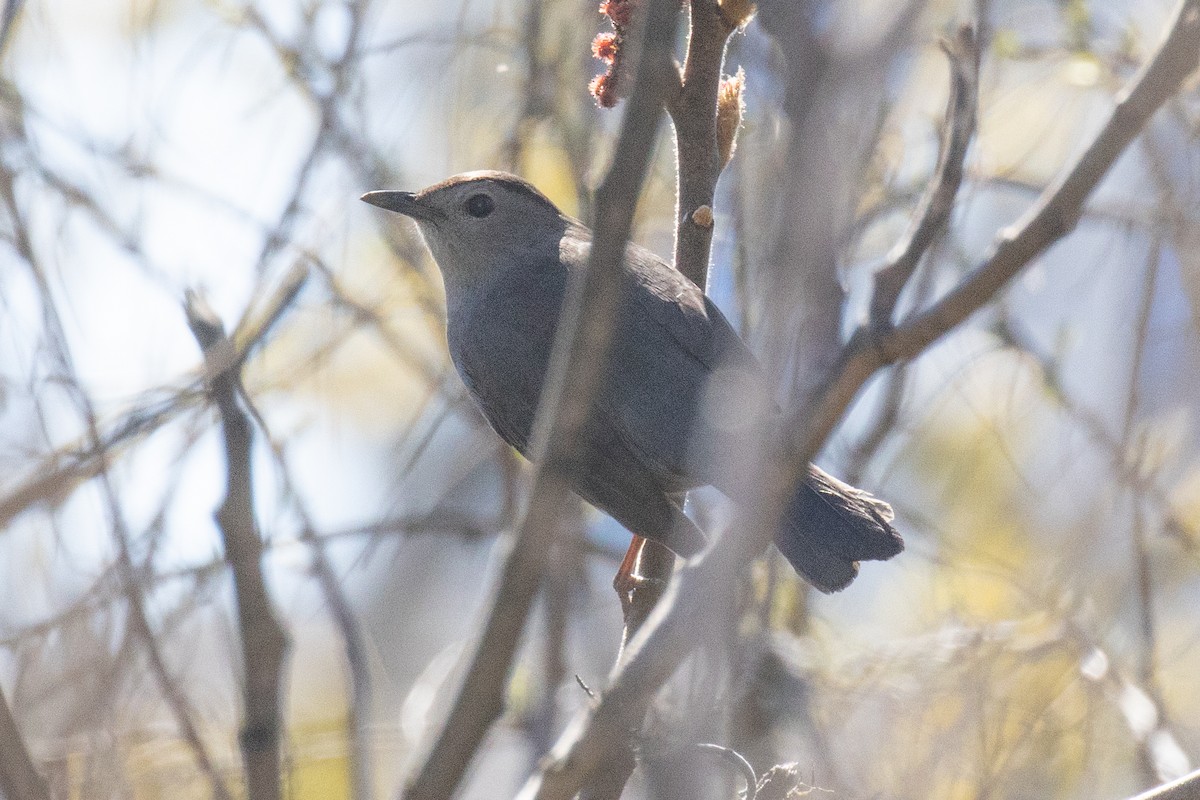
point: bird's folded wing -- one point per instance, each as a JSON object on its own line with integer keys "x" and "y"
{"x": 670, "y": 340}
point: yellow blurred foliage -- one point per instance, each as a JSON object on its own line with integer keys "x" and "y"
{"x": 970, "y": 452}
{"x": 546, "y": 166}
{"x": 320, "y": 767}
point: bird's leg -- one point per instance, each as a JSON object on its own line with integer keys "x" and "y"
{"x": 646, "y": 563}
{"x": 625, "y": 581}
{"x": 640, "y": 582}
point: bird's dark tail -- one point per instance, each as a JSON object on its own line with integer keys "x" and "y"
{"x": 830, "y": 526}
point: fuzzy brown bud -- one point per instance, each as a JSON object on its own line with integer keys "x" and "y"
{"x": 731, "y": 107}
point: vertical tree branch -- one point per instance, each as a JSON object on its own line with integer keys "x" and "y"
{"x": 577, "y": 363}
{"x": 692, "y": 105}
{"x": 693, "y": 108}
{"x": 694, "y": 116}
{"x": 264, "y": 641}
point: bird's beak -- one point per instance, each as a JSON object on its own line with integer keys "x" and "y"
{"x": 405, "y": 203}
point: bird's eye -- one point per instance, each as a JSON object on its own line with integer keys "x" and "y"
{"x": 480, "y": 205}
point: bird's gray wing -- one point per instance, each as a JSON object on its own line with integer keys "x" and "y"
{"x": 670, "y": 340}
{"x": 686, "y": 314}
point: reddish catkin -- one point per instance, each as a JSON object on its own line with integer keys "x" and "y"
{"x": 607, "y": 47}
{"x": 604, "y": 47}
{"x": 619, "y": 11}
{"x": 603, "y": 88}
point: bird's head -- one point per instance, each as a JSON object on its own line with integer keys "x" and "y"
{"x": 480, "y": 222}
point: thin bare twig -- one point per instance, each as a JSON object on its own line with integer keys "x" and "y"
{"x": 534, "y": 107}
{"x": 1048, "y": 221}
{"x": 264, "y": 641}
{"x": 339, "y": 606}
{"x": 1059, "y": 208}
{"x": 739, "y": 762}
{"x": 139, "y": 624}
{"x": 1146, "y": 669}
{"x": 933, "y": 212}
{"x": 893, "y": 391}
{"x": 61, "y": 472}
{"x": 175, "y": 697}
{"x": 929, "y": 220}
{"x": 1126, "y": 468}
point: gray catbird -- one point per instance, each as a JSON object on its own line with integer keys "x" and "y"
{"x": 505, "y": 252}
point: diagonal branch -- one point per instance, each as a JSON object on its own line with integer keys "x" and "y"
{"x": 1049, "y": 220}
{"x": 681, "y": 618}
{"x": 1058, "y": 210}
{"x": 933, "y": 212}
{"x": 576, "y": 366}
{"x": 1186, "y": 788}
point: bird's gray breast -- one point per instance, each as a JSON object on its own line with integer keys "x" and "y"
{"x": 501, "y": 342}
